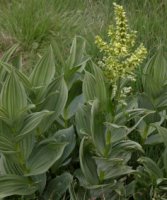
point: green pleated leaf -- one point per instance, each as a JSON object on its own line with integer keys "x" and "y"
{"x": 97, "y": 127}
{"x": 154, "y": 79}
{"x": 115, "y": 133}
{"x": 163, "y": 133}
{"x": 123, "y": 149}
{"x": 71, "y": 109}
{"x": 154, "y": 139}
{"x": 94, "y": 86}
{"x": 82, "y": 118}
{"x": 13, "y": 96}
{"x": 4, "y": 116}
{"x": 56, "y": 96}
{"x": 87, "y": 163}
{"x": 72, "y": 57}
{"x": 112, "y": 168}
{"x": 100, "y": 84}
{"x": 145, "y": 102}
{"x": 77, "y": 53}
{"x": 44, "y": 156}
{"x": 27, "y": 144}
{"x": 60, "y": 61}
{"x": 151, "y": 167}
{"x": 9, "y": 166}
{"x": 155, "y": 74}
{"x": 16, "y": 185}
{"x": 41, "y": 180}
{"x": 5, "y": 58}
{"x": 89, "y": 84}
{"x": 129, "y": 145}
{"x": 58, "y": 186}
{"x": 44, "y": 71}
{"x": 6, "y": 145}
{"x": 65, "y": 136}
{"x": 32, "y": 121}
{"x": 22, "y": 77}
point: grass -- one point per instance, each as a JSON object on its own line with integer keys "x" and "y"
{"x": 26, "y": 24}
{"x": 34, "y": 24}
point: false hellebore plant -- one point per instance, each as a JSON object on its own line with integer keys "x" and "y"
{"x": 108, "y": 155}
{"x": 120, "y": 55}
{"x": 36, "y": 135}
{"x": 64, "y": 135}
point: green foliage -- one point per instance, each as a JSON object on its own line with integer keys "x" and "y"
{"x": 65, "y": 133}
{"x": 28, "y": 146}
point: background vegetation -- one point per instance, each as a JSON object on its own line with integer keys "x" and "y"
{"x": 34, "y": 24}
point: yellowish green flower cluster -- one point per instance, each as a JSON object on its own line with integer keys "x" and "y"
{"x": 120, "y": 59}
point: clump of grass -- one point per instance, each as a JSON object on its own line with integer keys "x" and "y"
{"x": 27, "y": 22}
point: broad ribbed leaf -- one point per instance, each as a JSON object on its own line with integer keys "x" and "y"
{"x": 72, "y": 57}
{"x": 44, "y": 71}
{"x": 22, "y": 77}
{"x": 66, "y": 136}
{"x": 27, "y": 144}
{"x": 114, "y": 133}
{"x": 5, "y": 58}
{"x": 89, "y": 85}
{"x": 60, "y": 61}
{"x": 97, "y": 127}
{"x": 129, "y": 145}
{"x": 9, "y": 166}
{"x": 16, "y": 185}
{"x": 32, "y": 121}
{"x": 145, "y": 102}
{"x": 155, "y": 74}
{"x": 6, "y": 145}
{"x": 112, "y": 168}
{"x": 73, "y": 106}
{"x": 163, "y": 133}
{"x": 154, "y": 139}
{"x": 83, "y": 120}
{"x": 94, "y": 86}
{"x": 87, "y": 163}
{"x": 4, "y": 116}
{"x": 151, "y": 167}
{"x": 100, "y": 84}
{"x": 77, "y": 53}
{"x": 56, "y": 96}
{"x": 44, "y": 156}
{"x": 58, "y": 186}
{"x": 13, "y": 96}
{"x": 41, "y": 180}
